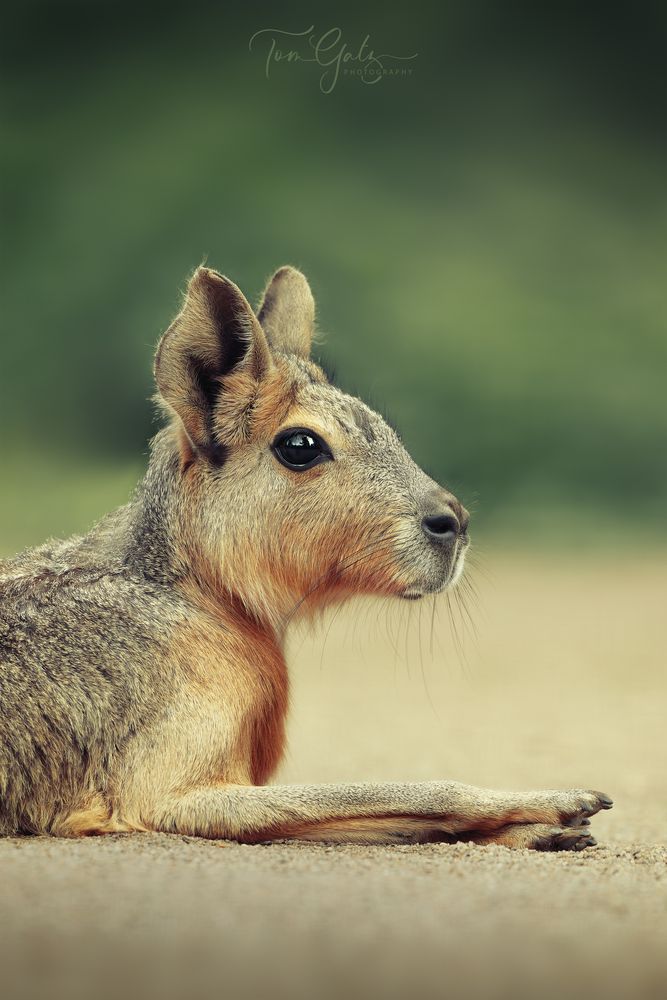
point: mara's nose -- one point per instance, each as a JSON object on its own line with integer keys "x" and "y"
{"x": 445, "y": 526}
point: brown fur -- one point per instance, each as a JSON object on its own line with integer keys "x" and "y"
{"x": 143, "y": 684}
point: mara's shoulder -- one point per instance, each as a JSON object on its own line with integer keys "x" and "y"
{"x": 51, "y": 589}
{"x": 54, "y": 609}
{"x": 34, "y": 566}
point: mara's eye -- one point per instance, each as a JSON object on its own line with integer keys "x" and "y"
{"x": 300, "y": 449}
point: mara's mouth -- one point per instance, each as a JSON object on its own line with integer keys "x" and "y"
{"x": 413, "y": 595}
{"x": 416, "y": 591}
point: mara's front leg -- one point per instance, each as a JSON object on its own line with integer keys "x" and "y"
{"x": 382, "y": 813}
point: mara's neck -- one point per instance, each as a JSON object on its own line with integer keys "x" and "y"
{"x": 152, "y": 539}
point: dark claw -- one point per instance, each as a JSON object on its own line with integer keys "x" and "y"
{"x": 572, "y": 841}
{"x": 603, "y": 802}
{"x": 581, "y": 845}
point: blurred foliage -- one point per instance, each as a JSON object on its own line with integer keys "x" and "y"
{"x": 485, "y": 237}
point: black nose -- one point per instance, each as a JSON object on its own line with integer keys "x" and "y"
{"x": 441, "y": 528}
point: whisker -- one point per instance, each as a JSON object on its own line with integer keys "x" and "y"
{"x": 458, "y": 643}
{"x": 407, "y": 616}
{"x": 423, "y": 671}
{"x": 331, "y": 577}
{"x": 466, "y": 620}
{"x": 328, "y": 630}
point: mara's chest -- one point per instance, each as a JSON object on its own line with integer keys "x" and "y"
{"x": 225, "y": 721}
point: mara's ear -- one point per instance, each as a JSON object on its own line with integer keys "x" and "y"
{"x": 215, "y": 333}
{"x": 287, "y": 312}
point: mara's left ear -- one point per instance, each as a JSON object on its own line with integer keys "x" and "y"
{"x": 287, "y": 312}
{"x": 215, "y": 334}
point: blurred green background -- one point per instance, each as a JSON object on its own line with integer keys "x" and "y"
{"x": 485, "y": 237}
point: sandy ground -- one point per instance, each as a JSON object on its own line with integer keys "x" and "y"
{"x": 564, "y": 685}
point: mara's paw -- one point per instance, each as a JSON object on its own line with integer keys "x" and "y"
{"x": 586, "y": 804}
{"x": 578, "y": 806}
{"x": 539, "y": 837}
{"x": 563, "y": 838}
{"x": 570, "y": 808}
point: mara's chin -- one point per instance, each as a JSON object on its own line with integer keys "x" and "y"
{"x": 428, "y": 587}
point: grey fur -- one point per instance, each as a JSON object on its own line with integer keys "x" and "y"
{"x": 141, "y": 673}
{"x": 84, "y": 628}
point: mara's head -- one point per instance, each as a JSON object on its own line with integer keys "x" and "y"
{"x": 291, "y": 493}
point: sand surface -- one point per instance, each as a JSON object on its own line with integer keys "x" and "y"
{"x": 564, "y": 685}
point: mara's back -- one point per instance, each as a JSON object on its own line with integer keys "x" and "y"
{"x": 80, "y": 641}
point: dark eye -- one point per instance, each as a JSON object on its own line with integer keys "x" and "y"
{"x": 300, "y": 449}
